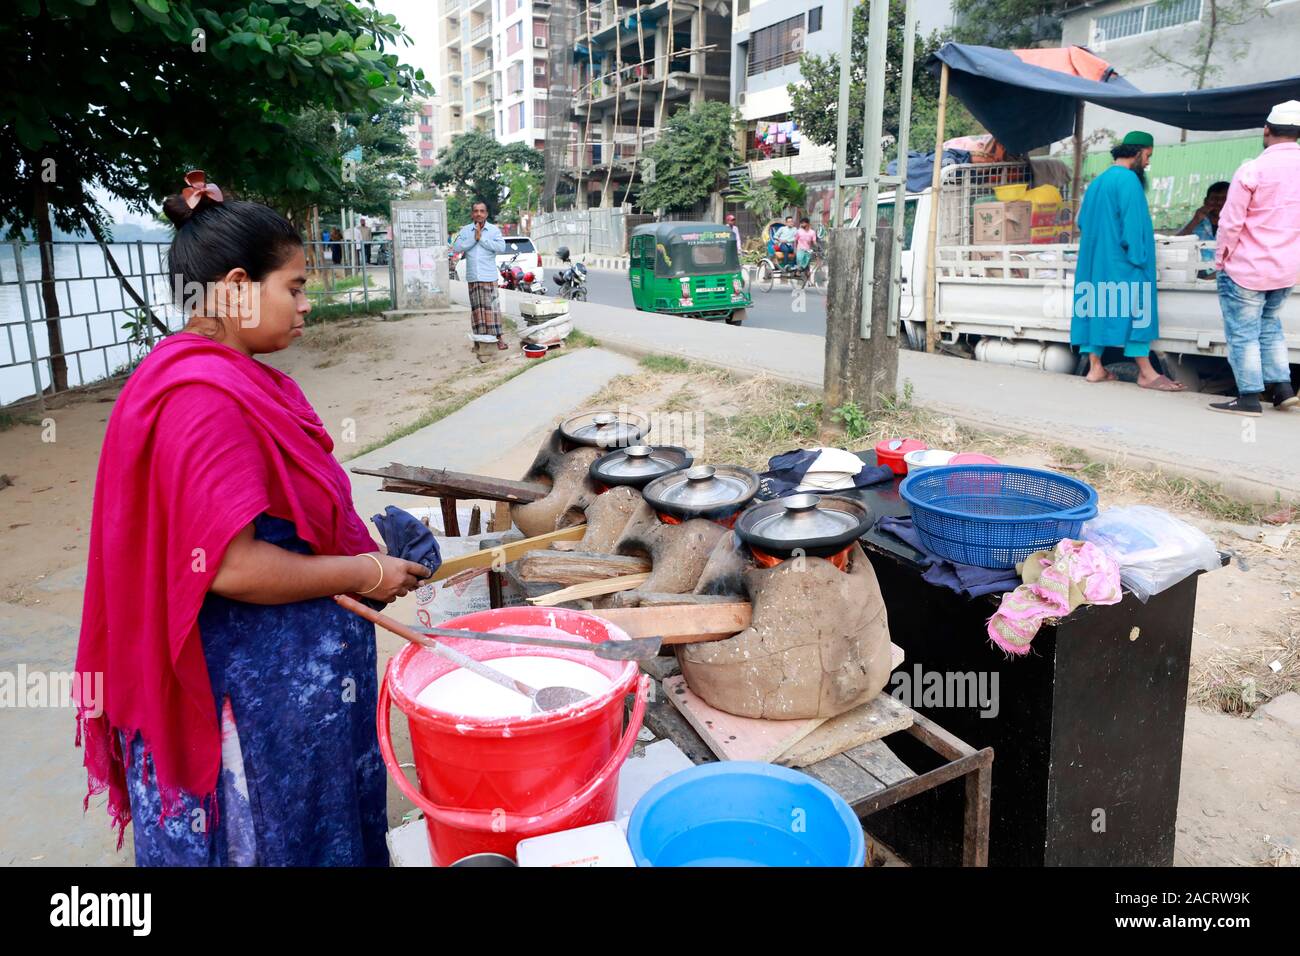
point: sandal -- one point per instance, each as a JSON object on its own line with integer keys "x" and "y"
{"x": 1110, "y": 377}
{"x": 1162, "y": 383}
{"x": 501, "y": 345}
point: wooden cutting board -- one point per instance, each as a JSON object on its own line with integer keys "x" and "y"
{"x": 749, "y": 738}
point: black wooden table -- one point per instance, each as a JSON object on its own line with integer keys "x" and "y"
{"x": 859, "y": 775}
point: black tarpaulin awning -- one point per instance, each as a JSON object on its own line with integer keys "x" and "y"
{"x": 1025, "y": 105}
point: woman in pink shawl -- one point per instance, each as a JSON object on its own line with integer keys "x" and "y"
{"x": 237, "y": 720}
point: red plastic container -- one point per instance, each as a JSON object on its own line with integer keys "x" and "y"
{"x": 890, "y": 452}
{"x": 487, "y": 783}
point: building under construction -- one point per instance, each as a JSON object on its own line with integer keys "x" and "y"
{"x": 619, "y": 69}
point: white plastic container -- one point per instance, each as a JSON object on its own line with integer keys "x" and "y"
{"x": 925, "y": 458}
{"x": 601, "y": 844}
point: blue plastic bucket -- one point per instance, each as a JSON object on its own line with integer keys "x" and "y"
{"x": 742, "y": 813}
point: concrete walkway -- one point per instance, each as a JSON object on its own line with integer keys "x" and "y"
{"x": 1254, "y": 458}
{"x": 477, "y": 434}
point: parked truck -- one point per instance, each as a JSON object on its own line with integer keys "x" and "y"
{"x": 1011, "y": 303}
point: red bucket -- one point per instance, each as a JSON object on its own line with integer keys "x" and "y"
{"x": 487, "y": 783}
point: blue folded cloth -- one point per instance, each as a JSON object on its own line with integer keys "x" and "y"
{"x": 967, "y": 579}
{"x": 406, "y": 536}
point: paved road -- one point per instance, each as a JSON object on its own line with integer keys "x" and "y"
{"x": 771, "y": 310}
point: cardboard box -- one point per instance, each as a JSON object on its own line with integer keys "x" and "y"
{"x": 1001, "y": 223}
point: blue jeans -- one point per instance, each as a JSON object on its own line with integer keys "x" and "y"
{"x": 1256, "y": 343}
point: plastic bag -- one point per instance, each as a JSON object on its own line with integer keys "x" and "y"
{"x": 1154, "y": 549}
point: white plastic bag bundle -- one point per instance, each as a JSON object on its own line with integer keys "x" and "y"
{"x": 1154, "y": 549}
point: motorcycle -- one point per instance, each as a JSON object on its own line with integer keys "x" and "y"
{"x": 571, "y": 281}
{"x": 515, "y": 279}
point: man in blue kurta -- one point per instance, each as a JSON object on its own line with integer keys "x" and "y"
{"x": 1114, "y": 303}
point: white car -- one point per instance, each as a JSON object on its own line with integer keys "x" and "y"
{"x": 529, "y": 258}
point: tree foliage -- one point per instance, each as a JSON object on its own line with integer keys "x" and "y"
{"x": 690, "y": 158}
{"x": 523, "y": 188}
{"x": 815, "y": 101}
{"x": 474, "y": 167}
{"x": 125, "y": 95}
{"x": 1009, "y": 24}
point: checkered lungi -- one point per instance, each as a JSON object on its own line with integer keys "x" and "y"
{"x": 484, "y": 308}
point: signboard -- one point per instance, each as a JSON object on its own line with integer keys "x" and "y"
{"x": 738, "y": 176}
{"x": 420, "y": 254}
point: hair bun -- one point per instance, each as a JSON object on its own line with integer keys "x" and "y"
{"x": 178, "y": 210}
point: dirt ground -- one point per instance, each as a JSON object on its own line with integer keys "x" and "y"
{"x": 1240, "y": 797}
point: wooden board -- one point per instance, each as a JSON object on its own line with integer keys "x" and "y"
{"x": 750, "y": 738}
{"x": 505, "y": 552}
{"x": 577, "y": 567}
{"x": 875, "y": 719}
{"x": 877, "y": 759}
{"x": 682, "y": 623}
{"x": 737, "y": 738}
{"x": 439, "y": 482}
{"x": 587, "y": 590}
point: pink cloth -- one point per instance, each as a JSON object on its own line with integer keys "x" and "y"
{"x": 805, "y": 239}
{"x": 201, "y": 441}
{"x": 1079, "y": 565}
{"x": 1259, "y": 226}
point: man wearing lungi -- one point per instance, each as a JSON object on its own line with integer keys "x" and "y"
{"x": 479, "y": 244}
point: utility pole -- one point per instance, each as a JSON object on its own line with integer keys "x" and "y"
{"x": 862, "y": 308}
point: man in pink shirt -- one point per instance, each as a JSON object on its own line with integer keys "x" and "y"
{"x": 1258, "y": 258}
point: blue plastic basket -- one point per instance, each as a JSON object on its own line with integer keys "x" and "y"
{"x": 995, "y": 516}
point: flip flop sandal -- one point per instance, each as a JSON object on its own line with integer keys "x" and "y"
{"x": 1162, "y": 383}
{"x": 501, "y": 345}
{"x": 1110, "y": 377}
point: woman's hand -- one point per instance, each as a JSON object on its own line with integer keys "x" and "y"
{"x": 400, "y": 577}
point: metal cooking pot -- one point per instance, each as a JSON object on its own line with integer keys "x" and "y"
{"x": 704, "y": 491}
{"x": 639, "y": 465}
{"x": 605, "y": 429}
{"x": 816, "y": 525}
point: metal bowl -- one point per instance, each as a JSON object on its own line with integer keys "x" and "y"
{"x": 815, "y": 525}
{"x": 704, "y": 491}
{"x": 639, "y": 465}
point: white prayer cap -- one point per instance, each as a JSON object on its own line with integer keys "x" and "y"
{"x": 1285, "y": 114}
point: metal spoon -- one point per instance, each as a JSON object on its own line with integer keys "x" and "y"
{"x": 543, "y": 699}
{"x": 636, "y": 649}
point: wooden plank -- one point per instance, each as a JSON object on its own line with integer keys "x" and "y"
{"x": 501, "y": 520}
{"x": 438, "y": 482}
{"x": 877, "y": 759}
{"x": 450, "y": 521}
{"x": 578, "y": 567}
{"x": 737, "y": 738}
{"x": 666, "y": 722}
{"x": 681, "y": 623}
{"x": 664, "y": 598}
{"x": 845, "y": 777}
{"x": 506, "y": 552}
{"x": 587, "y": 590}
{"x": 876, "y": 718}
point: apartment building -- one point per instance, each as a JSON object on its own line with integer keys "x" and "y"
{"x": 520, "y": 45}
{"x": 422, "y": 133}
{"x": 1157, "y": 45}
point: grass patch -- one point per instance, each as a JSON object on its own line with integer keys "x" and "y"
{"x": 333, "y": 311}
{"x": 664, "y": 363}
{"x": 1240, "y": 680}
{"x": 579, "y": 339}
{"x": 9, "y": 420}
{"x": 341, "y": 284}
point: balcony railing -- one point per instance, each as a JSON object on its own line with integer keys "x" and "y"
{"x": 482, "y": 66}
{"x": 451, "y": 6}
{"x": 480, "y": 31}
{"x": 480, "y": 102}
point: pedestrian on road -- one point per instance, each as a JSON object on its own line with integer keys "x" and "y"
{"x": 480, "y": 242}
{"x": 1114, "y": 302}
{"x": 1258, "y": 258}
{"x": 366, "y": 233}
{"x": 735, "y": 230}
{"x": 804, "y": 241}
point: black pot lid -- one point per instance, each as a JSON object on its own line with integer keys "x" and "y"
{"x": 639, "y": 464}
{"x": 704, "y": 488}
{"x": 605, "y": 429}
{"x": 804, "y": 521}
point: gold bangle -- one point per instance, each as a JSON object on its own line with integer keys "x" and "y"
{"x": 381, "y": 574}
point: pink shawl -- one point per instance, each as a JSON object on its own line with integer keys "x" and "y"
{"x": 201, "y": 441}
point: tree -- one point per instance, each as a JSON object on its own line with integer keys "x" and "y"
{"x": 125, "y": 95}
{"x": 473, "y": 166}
{"x": 690, "y": 158}
{"x": 814, "y": 102}
{"x": 523, "y": 187}
{"x": 1195, "y": 59}
{"x": 1009, "y": 24}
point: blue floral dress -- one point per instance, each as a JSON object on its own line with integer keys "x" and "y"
{"x": 302, "y": 782}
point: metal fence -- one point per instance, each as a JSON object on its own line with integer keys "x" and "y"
{"x": 597, "y": 231}
{"x": 102, "y": 329}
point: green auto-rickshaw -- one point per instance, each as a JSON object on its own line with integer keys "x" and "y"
{"x": 687, "y": 268}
